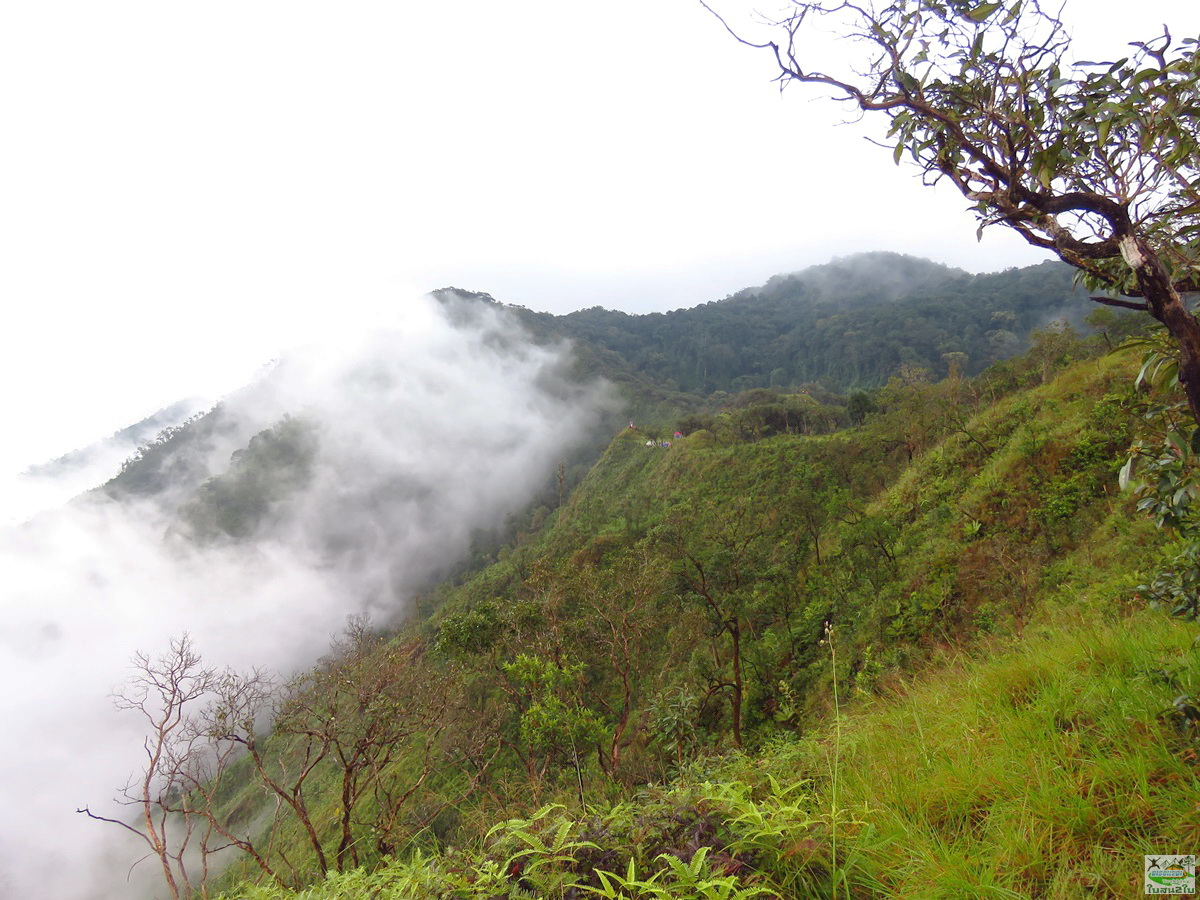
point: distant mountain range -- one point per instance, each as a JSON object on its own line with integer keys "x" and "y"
{"x": 848, "y": 324}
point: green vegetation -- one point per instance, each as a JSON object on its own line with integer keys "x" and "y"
{"x": 1035, "y": 768}
{"x": 858, "y": 610}
{"x": 172, "y": 461}
{"x": 781, "y": 640}
{"x": 273, "y": 467}
{"x": 780, "y": 657}
{"x": 850, "y": 323}
{"x": 808, "y": 336}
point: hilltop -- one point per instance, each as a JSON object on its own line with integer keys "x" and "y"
{"x": 847, "y": 324}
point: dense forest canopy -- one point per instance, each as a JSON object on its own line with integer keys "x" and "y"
{"x": 848, "y": 324}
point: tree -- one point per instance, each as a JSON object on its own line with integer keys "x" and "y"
{"x": 1098, "y": 162}
{"x": 912, "y": 417}
{"x": 860, "y": 406}
{"x": 161, "y": 691}
{"x": 555, "y": 722}
{"x": 369, "y": 717}
{"x": 723, "y": 564}
{"x": 367, "y": 706}
{"x": 812, "y": 500}
{"x": 188, "y": 755}
{"x": 618, "y": 623}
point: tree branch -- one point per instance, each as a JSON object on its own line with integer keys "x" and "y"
{"x": 1124, "y": 304}
{"x": 91, "y": 815}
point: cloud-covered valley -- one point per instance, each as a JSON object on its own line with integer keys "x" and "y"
{"x": 353, "y": 474}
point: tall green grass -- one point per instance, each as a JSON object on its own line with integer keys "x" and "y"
{"x": 1044, "y": 771}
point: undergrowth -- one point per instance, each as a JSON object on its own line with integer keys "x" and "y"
{"x": 1044, "y": 767}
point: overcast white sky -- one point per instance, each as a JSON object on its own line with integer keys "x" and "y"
{"x": 186, "y": 189}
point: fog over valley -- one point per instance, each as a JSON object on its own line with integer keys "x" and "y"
{"x": 362, "y": 469}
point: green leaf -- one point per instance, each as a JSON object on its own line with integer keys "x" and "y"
{"x": 982, "y": 11}
{"x": 1124, "y": 475}
{"x": 907, "y": 82}
{"x": 1175, "y": 440}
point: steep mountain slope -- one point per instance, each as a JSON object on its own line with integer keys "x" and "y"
{"x": 733, "y": 590}
{"x": 1040, "y": 767}
{"x": 852, "y": 322}
{"x": 123, "y": 442}
{"x": 973, "y": 605}
{"x": 770, "y": 541}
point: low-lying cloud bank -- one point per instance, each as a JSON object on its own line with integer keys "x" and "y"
{"x": 420, "y": 436}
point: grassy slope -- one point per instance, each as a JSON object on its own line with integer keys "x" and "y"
{"x": 1038, "y": 768}
{"x": 1040, "y": 772}
{"x": 999, "y": 733}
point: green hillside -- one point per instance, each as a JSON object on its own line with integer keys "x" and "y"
{"x": 769, "y": 658}
{"x": 1038, "y": 767}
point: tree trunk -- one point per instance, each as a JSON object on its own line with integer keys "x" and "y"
{"x": 736, "y": 633}
{"x": 295, "y": 799}
{"x": 1167, "y": 306}
{"x": 1186, "y": 331}
{"x": 348, "y": 797}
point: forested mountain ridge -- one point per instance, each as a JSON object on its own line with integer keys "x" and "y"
{"x": 130, "y": 437}
{"x": 848, "y": 324}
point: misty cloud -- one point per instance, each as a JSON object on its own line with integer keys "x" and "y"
{"x": 420, "y": 436}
